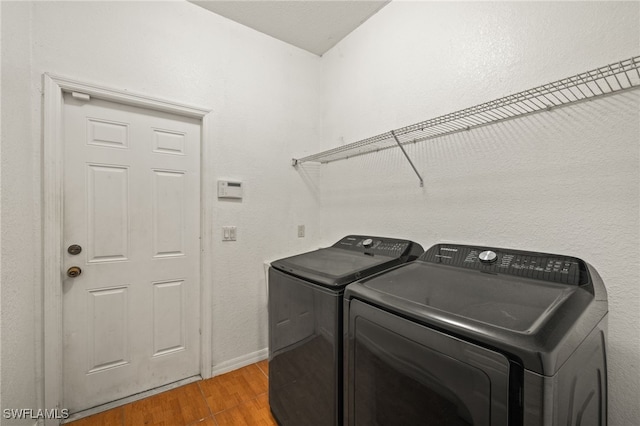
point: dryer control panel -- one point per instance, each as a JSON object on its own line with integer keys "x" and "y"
{"x": 541, "y": 266}
{"x": 391, "y": 247}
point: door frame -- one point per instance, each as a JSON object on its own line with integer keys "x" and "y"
{"x": 53, "y": 169}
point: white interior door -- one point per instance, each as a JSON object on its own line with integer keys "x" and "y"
{"x": 132, "y": 203}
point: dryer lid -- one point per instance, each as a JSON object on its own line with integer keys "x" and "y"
{"x": 352, "y": 258}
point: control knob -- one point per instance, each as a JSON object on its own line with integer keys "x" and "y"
{"x": 488, "y": 256}
{"x": 367, "y": 243}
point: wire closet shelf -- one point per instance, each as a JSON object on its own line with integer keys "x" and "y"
{"x": 612, "y": 78}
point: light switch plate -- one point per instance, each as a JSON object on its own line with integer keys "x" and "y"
{"x": 229, "y": 233}
{"x": 300, "y": 231}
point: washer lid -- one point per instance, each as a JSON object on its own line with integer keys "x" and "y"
{"x": 538, "y": 321}
{"x": 508, "y": 303}
{"x": 350, "y": 259}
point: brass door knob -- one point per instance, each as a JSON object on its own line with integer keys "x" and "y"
{"x": 73, "y": 272}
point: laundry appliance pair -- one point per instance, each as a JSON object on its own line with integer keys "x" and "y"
{"x": 374, "y": 331}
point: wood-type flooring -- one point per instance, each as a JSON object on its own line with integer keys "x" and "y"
{"x": 236, "y": 398}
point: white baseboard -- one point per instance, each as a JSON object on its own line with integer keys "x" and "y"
{"x": 239, "y": 362}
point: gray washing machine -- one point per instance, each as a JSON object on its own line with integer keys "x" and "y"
{"x": 480, "y": 336}
{"x": 305, "y": 323}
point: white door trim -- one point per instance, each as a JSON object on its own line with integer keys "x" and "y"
{"x": 53, "y": 167}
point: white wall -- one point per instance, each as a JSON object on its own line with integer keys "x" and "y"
{"x": 565, "y": 181}
{"x": 20, "y": 166}
{"x": 264, "y": 94}
{"x": 1, "y": 209}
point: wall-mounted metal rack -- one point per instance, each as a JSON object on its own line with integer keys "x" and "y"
{"x": 612, "y": 78}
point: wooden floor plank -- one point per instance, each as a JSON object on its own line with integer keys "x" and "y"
{"x": 233, "y": 388}
{"x": 239, "y": 398}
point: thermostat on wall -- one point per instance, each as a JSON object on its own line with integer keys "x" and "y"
{"x": 228, "y": 189}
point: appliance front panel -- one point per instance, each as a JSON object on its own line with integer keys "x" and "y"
{"x": 401, "y": 372}
{"x": 305, "y": 352}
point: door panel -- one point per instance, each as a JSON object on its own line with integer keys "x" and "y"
{"x": 107, "y": 329}
{"x": 107, "y": 212}
{"x": 168, "y": 213}
{"x": 108, "y": 134}
{"x": 132, "y": 201}
{"x": 168, "y": 317}
{"x": 167, "y": 142}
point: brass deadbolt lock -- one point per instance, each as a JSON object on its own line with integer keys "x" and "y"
{"x": 73, "y": 272}
{"x": 74, "y": 249}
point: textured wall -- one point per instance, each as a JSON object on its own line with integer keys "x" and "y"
{"x": 565, "y": 181}
{"x": 1, "y": 209}
{"x": 20, "y": 214}
{"x": 264, "y": 96}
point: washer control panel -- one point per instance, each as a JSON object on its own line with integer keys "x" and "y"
{"x": 541, "y": 266}
{"x": 378, "y": 245}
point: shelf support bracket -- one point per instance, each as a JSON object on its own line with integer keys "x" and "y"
{"x": 408, "y": 159}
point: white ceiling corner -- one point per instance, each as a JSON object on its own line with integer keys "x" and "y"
{"x": 312, "y": 25}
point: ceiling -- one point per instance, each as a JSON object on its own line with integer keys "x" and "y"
{"x": 315, "y": 26}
